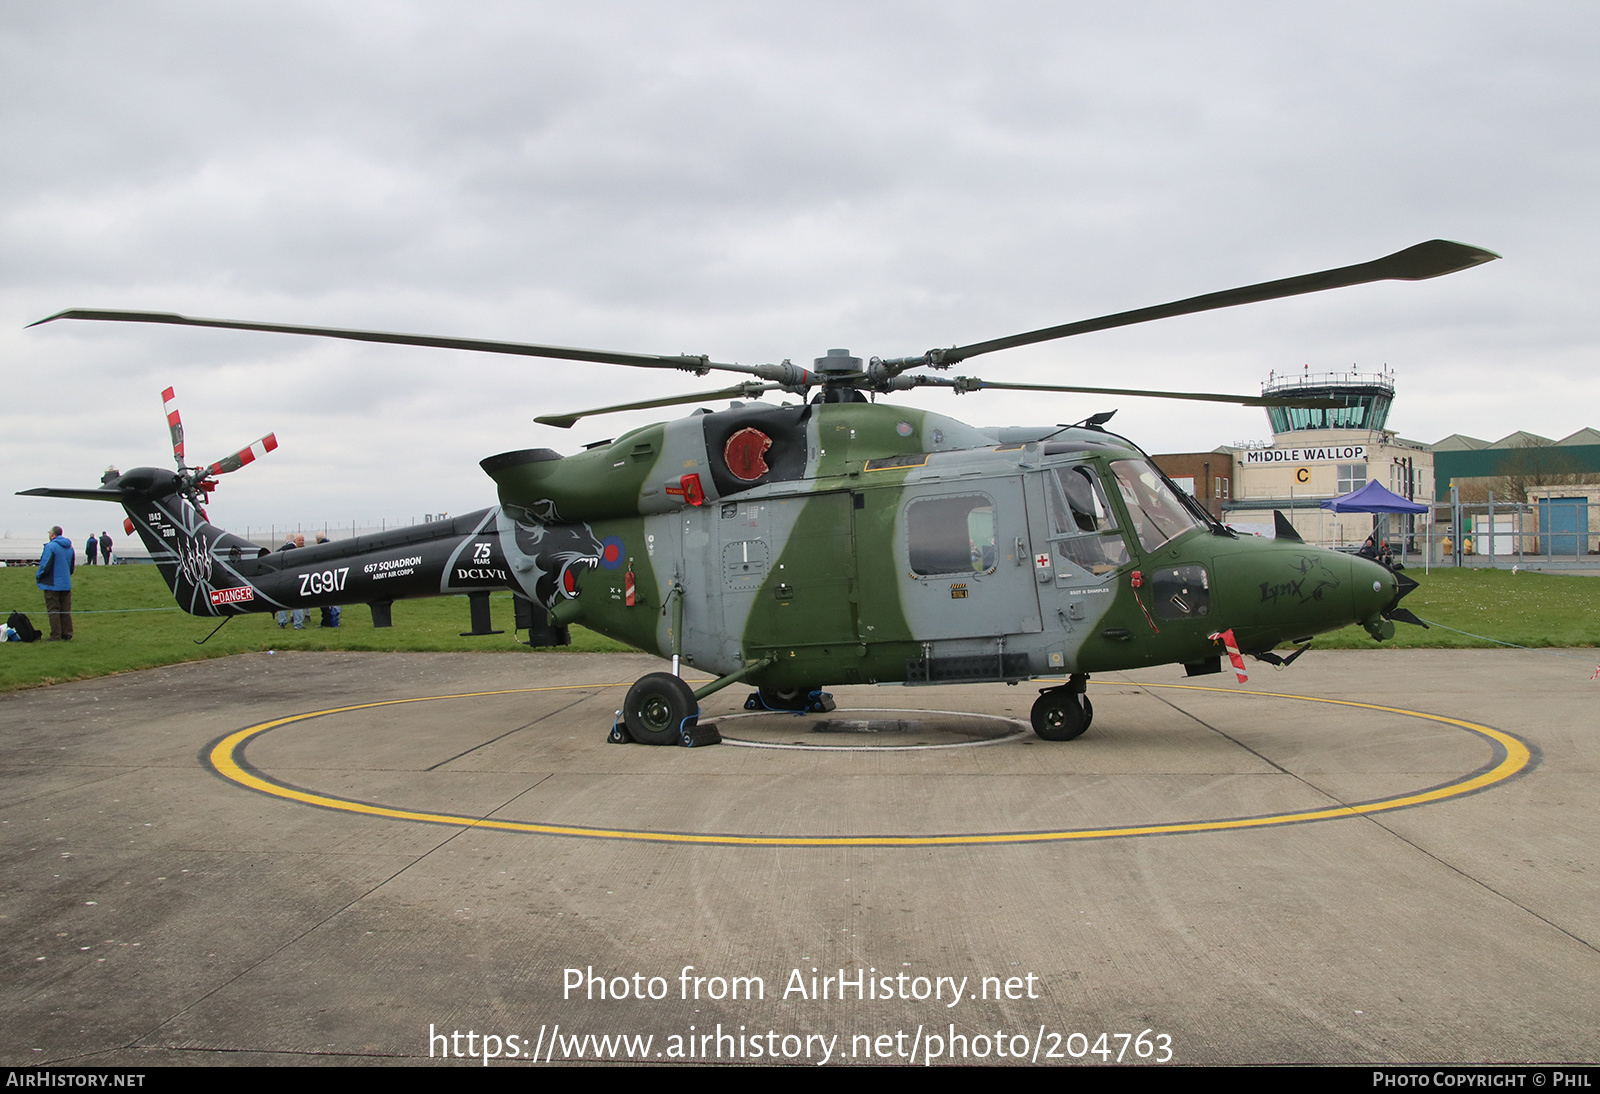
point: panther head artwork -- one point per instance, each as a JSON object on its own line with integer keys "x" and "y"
{"x": 547, "y": 558}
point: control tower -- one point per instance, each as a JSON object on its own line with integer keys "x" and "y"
{"x": 1324, "y": 452}
{"x": 1364, "y": 397}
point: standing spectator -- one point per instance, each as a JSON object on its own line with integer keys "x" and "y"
{"x": 292, "y": 541}
{"x": 105, "y": 549}
{"x": 89, "y": 550}
{"x": 55, "y": 580}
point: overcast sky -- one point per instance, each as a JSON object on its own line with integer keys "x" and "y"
{"x": 759, "y": 182}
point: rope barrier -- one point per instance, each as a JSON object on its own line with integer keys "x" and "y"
{"x": 1496, "y": 641}
{"x": 96, "y": 611}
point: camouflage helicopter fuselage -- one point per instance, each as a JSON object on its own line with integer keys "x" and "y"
{"x": 859, "y": 543}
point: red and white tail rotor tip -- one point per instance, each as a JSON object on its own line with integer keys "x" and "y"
{"x": 249, "y": 454}
{"x": 169, "y": 403}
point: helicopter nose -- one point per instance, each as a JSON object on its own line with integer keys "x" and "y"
{"x": 1374, "y": 591}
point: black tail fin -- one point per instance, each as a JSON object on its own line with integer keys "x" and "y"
{"x": 193, "y": 555}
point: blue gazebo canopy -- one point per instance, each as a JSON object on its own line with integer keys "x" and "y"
{"x": 1373, "y": 498}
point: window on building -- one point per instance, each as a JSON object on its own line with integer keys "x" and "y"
{"x": 1352, "y": 476}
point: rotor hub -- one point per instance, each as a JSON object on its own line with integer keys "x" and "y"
{"x": 837, "y": 365}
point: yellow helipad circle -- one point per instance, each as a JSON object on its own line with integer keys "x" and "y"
{"x": 1510, "y": 757}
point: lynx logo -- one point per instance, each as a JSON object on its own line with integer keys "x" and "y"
{"x": 232, "y": 596}
{"x": 480, "y": 552}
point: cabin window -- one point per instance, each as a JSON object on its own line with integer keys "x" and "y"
{"x": 1156, "y": 512}
{"x": 951, "y": 535}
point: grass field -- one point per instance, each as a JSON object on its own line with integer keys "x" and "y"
{"x": 125, "y": 619}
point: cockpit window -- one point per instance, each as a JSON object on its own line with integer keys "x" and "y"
{"x": 1084, "y": 541}
{"x": 1086, "y": 509}
{"x": 1157, "y": 514}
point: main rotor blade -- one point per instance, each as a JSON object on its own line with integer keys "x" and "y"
{"x": 749, "y": 391}
{"x": 972, "y": 383}
{"x": 1431, "y": 259}
{"x": 698, "y": 365}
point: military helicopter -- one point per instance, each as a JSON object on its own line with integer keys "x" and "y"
{"x": 838, "y": 541}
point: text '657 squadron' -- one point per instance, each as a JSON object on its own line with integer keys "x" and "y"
{"x": 838, "y": 541}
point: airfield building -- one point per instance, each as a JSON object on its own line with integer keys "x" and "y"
{"x": 1316, "y": 454}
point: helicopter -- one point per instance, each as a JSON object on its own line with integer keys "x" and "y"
{"x": 831, "y": 542}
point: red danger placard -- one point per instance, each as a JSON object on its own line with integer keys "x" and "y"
{"x": 232, "y": 596}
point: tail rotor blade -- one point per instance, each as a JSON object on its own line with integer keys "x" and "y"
{"x": 169, "y": 403}
{"x": 245, "y": 455}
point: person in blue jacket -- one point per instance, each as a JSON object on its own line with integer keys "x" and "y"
{"x": 55, "y": 579}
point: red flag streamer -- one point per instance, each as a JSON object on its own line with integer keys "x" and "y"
{"x": 628, "y": 594}
{"x": 1136, "y": 579}
{"x": 1232, "y": 645}
{"x": 1596, "y": 672}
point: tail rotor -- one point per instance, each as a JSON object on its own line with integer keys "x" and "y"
{"x": 199, "y": 482}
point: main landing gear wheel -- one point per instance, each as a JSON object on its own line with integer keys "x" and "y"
{"x": 797, "y": 700}
{"x": 657, "y": 709}
{"x": 1062, "y": 714}
{"x": 784, "y": 698}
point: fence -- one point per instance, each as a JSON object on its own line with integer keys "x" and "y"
{"x": 273, "y": 534}
{"x": 1548, "y": 531}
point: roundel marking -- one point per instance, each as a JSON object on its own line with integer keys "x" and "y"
{"x": 904, "y": 429}
{"x": 612, "y": 553}
{"x": 743, "y": 454}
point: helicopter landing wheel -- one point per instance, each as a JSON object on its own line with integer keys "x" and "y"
{"x": 1062, "y": 715}
{"x": 658, "y": 708}
{"x": 784, "y": 698}
{"x": 796, "y": 700}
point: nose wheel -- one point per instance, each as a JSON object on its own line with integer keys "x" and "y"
{"x": 1063, "y": 713}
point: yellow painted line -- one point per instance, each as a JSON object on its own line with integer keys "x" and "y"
{"x": 226, "y": 758}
